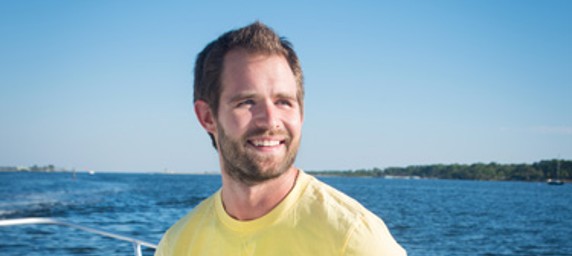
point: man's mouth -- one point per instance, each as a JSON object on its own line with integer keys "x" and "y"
{"x": 266, "y": 143}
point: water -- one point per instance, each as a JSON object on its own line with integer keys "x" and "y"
{"x": 427, "y": 217}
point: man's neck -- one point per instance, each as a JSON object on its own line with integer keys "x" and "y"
{"x": 248, "y": 202}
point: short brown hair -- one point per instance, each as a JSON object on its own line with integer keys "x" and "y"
{"x": 254, "y": 38}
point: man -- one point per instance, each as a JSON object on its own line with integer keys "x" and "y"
{"x": 249, "y": 98}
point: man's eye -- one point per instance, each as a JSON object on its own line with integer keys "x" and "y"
{"x": 246, "y": 103}
{"x": 284, "y": 103}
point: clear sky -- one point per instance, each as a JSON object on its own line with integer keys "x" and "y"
{"x": 107, "y": 85}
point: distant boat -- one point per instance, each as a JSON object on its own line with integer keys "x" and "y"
{"x": 556, "y": 181}
{"x": 91, "y": 172}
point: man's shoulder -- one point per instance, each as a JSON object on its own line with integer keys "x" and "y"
{"x": 363, "y": 230}
{"x": 325, "y": 205}
{"x": 333, "y": 199}
{"x": 203, "y": 210}
{"x": 182, "y": 230}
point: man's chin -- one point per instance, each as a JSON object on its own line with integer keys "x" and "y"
{"x": 263, "y": 173}
{"x": 270, "y": 172}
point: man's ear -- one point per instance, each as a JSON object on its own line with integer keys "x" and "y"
{"x": 205, "y": 116}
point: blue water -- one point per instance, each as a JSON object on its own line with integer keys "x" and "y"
{"x": 427, "y": 217}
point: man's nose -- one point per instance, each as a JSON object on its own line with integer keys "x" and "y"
{"x": 267, "y": 116}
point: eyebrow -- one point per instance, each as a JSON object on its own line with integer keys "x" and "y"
{"x": 286, "y": 96}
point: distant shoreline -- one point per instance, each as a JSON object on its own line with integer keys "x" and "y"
{"x": 538, "y": 171}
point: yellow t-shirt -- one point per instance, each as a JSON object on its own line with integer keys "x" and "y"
{"x": 314, "y": 219}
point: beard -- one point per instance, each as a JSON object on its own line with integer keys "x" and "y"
{"x": 247, "y": 166}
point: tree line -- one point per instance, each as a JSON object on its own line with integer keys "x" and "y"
{"x": 538, "y": 171}
{"x": 34, "y": 168}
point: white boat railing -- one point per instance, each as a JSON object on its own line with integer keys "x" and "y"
{"x": 33, "y": 221}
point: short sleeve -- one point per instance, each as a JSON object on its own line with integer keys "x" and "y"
{"x": 370, "y": 236}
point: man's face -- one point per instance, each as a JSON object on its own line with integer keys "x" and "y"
{"x": 259, "y": 121}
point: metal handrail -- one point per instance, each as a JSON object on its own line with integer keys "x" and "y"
{"x": 32, "y": 221}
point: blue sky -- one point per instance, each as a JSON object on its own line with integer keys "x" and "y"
{"x": 107, "y": 85}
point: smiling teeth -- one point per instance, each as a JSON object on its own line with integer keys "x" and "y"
{"x": 266, "y": 143}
